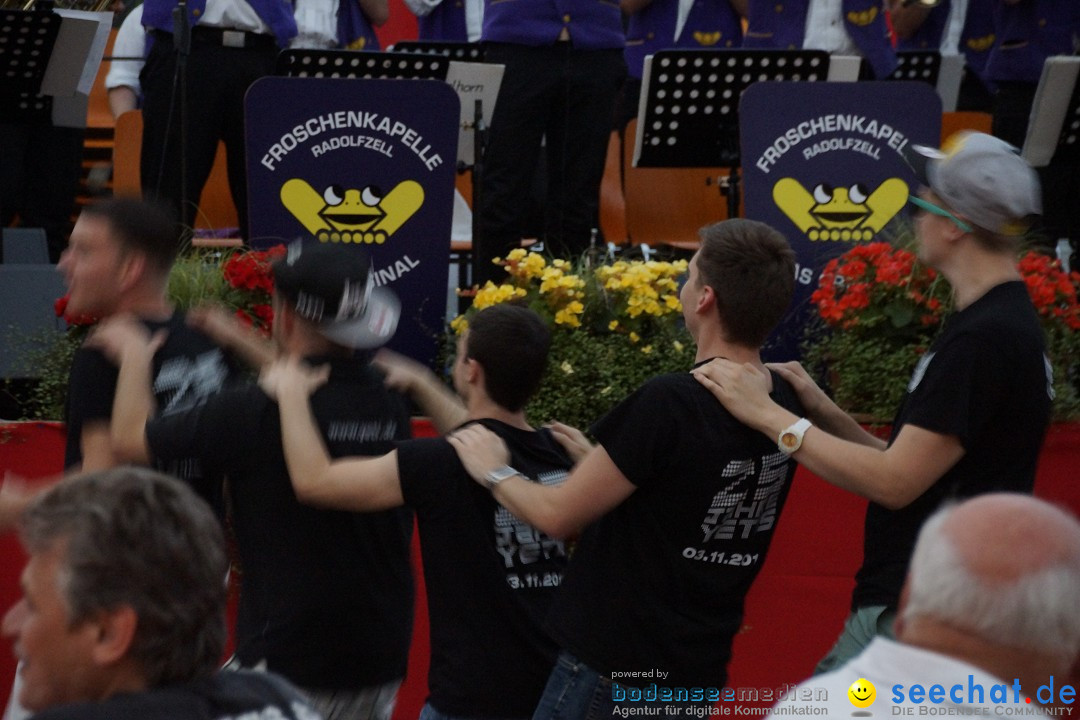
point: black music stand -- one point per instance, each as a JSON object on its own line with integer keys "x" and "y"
{"x": 921, "y": 65}
{"x": 360, "y": 64}
{"x": 930, "y": 66}
{"x": 27, "y": 38}
{"x": 460, "y": 51}
{"x": 688, "y": 115}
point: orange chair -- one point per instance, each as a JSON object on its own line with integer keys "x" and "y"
{"x": 954, "y": 122}
{"x": 667, "y": 206}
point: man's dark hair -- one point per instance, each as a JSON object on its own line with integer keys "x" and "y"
{"x": 140, "y": 226}
{"x": 138, "y": 538}
{"x": 511, "y": 343}
{"x": 751, "y": 269}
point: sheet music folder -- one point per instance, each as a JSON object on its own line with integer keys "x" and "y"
{"x": 1055, "y": 115}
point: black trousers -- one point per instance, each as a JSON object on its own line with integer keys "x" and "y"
{"x": 217, "y": 78}
{"x": 563, "y": 95}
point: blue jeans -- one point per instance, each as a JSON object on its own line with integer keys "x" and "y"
{"x": 577, "y": 692}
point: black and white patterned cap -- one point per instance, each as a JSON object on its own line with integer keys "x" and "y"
{"x": 333, "y": 287}
{"x": 982, "y": 178}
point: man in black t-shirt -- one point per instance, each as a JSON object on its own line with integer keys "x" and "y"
{"x": 490, "y": 576}
{"x": 123, "y": 614}
{"x": 117, "y": 262}
{"x": 325, "y": 596}
{"x": 978, "y": 404}
{"x": 682, "y": 498}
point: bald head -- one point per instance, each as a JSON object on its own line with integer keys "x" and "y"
{"x": 1001, "y": 538}
{"x": 1001, "y": 567}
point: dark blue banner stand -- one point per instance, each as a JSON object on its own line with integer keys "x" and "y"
{"x": 822, "y": 163}
{"x": 366, "y": 163}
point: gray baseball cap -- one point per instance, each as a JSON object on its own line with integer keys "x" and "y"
{"x": 333, "y": 286}
{"x": 982, "y": 178}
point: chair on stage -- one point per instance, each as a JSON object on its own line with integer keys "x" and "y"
{"x": 216, "y": 209}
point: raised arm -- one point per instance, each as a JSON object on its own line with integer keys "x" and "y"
{"x": 435, "y": 399}
{"x": 820, "y": 408}
{"x": 595, "y": 486}
{"x": 348, "y": 483}
{"x": 892, "y": 476}
{"x": 128, "y": 344}
{"x": 228, "y": 332}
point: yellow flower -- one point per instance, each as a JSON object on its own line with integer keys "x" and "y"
{"x": 569, "y": 315}
{"x": 613, "y": 325}
{"x": 459, "y": 324}
{"x": 647, "y": 350}
{"x": 677, "y": 345}
{"x": 634, "y": 337}
{"x": 566, "y": 368}
{"x": 492, "y": 294}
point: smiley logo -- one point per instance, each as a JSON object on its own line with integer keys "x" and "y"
{"x": 850, "y": 214}
{"x": 354, "y": 215}
{"x": 862, "y": 693}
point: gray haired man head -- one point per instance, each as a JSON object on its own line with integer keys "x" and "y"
{"x": 988, "y": 619}
{"x": 123, "y": 608}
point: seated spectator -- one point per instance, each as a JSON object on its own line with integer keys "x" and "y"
{"x": 990, "y": 600}
{"x": 123, "y": 609}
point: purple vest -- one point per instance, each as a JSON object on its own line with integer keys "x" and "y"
{"x": 592, "y": 24}
{"x": 278, "y": 14}
{"x": 446, "y": 22}
{"x": 354, "y": 30}
{"x": 976, "y": 37}
{"x": 1027, "y": 34}
{"x": 711, "y": 24}
{"x": 781, "y": 24}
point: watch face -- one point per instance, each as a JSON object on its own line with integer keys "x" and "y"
{"x": 789, "y": 440}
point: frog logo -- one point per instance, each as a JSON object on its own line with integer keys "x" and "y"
{"x": 355, "y": 215}
{"x": 848, "y": 214}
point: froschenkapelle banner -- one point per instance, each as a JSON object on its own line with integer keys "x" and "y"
{"x": 823, "y": 164}
{"x": 366, "y": 163}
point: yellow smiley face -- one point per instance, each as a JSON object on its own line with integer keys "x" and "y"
{"x": 862, "y": 693}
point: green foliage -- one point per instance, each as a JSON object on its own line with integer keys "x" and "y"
{"x": 48, "y": 361}
{"x": 588, "y": 374}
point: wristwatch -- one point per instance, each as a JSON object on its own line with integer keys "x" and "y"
{"x": 791, "y": 437}
{"x": 496, "y": 476}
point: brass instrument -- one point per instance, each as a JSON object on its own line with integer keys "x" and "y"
{"x": 89, "y": 5}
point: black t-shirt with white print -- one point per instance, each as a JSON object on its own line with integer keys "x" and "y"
{"x": 657, "y": 585}
{"x": 490, "y": 577}
{"x": 325, "y": 595}
{"x": 985, "y": 380}
{"x": 187, "y": 369}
